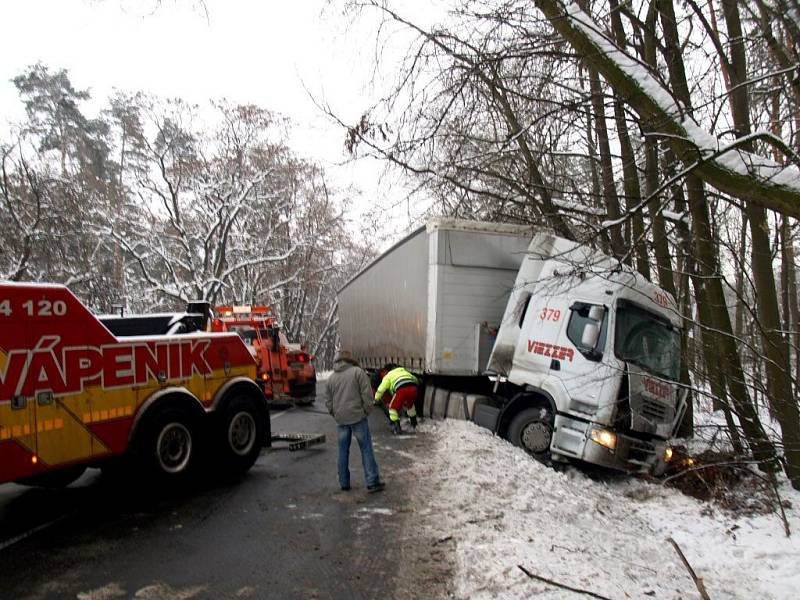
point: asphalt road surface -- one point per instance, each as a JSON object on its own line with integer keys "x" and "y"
{"x": 283, "y": 531}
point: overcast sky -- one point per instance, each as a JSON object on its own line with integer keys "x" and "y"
{"x": 249, "y": 51}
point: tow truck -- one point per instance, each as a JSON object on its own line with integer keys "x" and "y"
{"x": 77, "y": 391}
{"x": 285, "y": 372}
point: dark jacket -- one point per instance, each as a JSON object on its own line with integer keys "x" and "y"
{"x": 348, "y": 395}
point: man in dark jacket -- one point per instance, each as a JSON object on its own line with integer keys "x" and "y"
{"x": 348, "y": 398}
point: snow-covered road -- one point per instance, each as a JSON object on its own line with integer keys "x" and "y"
{"x": 495, "y": 509}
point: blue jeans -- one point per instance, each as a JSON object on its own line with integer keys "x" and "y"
{"x": 361, "y": 429}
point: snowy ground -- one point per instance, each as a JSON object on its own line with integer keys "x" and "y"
{"x": 494, "y": 508}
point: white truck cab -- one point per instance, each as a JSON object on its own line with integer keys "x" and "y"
{"x": 594, "y": 351}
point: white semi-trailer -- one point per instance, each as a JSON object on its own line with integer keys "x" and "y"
{"x": 557, "y": 348}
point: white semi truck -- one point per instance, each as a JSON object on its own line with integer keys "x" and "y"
{"x": 559, "y": 349}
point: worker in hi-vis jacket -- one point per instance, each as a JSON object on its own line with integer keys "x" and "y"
{"x": 403, "y": 387}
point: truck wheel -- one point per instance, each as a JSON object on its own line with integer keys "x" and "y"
{"x": 532, "y": 430}
{"x": 169, "y": 444}
{"x": 241, "y": 432}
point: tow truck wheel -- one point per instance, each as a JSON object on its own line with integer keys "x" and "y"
{"x": 241, "y": 430}
{"x": 169, "y": 446}
{"x": 532, "y": 430}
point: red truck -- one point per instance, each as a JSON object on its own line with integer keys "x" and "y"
{"x": 75, "y": 394}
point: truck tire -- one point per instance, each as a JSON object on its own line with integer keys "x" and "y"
{"x": 239, "y": 435}
{"x": 532, "y": 430}
{"x": 170, "y": 444}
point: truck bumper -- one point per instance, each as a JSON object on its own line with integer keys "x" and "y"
{"x": 572, "y": 438}
{"x": 303, "y": 390}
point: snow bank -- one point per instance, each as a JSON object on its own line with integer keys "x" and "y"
{"x": 499, "y": 509}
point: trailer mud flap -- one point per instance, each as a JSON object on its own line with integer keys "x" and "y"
{"x": 486, "y": 416}
{"x": 299, "y": 441}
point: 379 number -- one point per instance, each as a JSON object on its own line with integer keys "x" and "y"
{"x": 550, "y": 314}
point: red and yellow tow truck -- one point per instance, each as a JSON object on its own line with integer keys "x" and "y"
{"x": 73, "y": 394}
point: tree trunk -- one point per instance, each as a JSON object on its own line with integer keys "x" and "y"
{"x": 738, "y": 313}
{"x": 708, "y": 287}
{"x": 606, "y": 166}
{"x": 794, "y": 308}
{"x": 775, "y": 348}
{"x": 605, "y": 243}
{"x": 630, "y": 176}
{"x": 666, "y": 276}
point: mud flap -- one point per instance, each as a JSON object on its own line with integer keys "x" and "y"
{"x": 486, "y": 416}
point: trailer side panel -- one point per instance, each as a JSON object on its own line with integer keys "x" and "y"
{"x": 433, "y": 301}
{"x": 383, "y": 310}
{"x": 471, "y": 274}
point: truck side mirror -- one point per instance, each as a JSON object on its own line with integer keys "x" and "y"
{"x": 591, "y": 333}
{"x": 596, "y": 313}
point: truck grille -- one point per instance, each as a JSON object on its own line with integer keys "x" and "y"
{"x": 640, "y": 451}
{"x": 654, "y": 410}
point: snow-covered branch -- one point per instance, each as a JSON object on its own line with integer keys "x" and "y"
{"x": 741, "y": 174}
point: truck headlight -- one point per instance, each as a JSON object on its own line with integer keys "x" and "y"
{"x": 604, "y": 437}
{"x": 668, "y": 454}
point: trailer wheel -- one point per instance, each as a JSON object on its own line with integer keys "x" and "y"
{"x": 532, "y": 430}
{"x": 170, "y": 444}
{"x": 240, "y": 432}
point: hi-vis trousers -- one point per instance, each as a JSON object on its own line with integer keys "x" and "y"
{"x": 404, "y": 396}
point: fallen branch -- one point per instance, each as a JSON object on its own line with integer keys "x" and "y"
{"x": 780, "y": 505}
{"x": 561, "y": 585}
{"x": 698, "y": 581}
{"x": 741, "y": 465}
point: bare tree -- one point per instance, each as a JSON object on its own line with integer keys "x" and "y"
{"x": 479, "y": 95}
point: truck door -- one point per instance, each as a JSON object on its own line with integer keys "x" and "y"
{"x": 58, "y": 394}
{"x": 539, "y": 347}
{"x": 61, "y": 437}
{"x": 17, "y": 430}
{"x": 590, "y": 376}
{"x": 17, "y": 412}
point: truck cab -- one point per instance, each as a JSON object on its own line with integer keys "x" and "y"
{"x": 590, "y": 352}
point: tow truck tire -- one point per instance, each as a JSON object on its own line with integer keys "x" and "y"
{"x": 170, "y": 445}
{"x": 239, "y": 435}
{"x": 532, "y": 430}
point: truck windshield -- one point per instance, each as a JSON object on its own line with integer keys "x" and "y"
{"x": 647, "y": 341}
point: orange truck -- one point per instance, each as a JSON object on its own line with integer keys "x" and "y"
{"x": 73, "y": 394}
{"x": 285, "y": 372}
{"x": 302, "y": 374}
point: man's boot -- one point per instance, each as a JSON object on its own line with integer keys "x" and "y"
{"x": 413, "y": 421}
{"x": 396, "y": 428}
